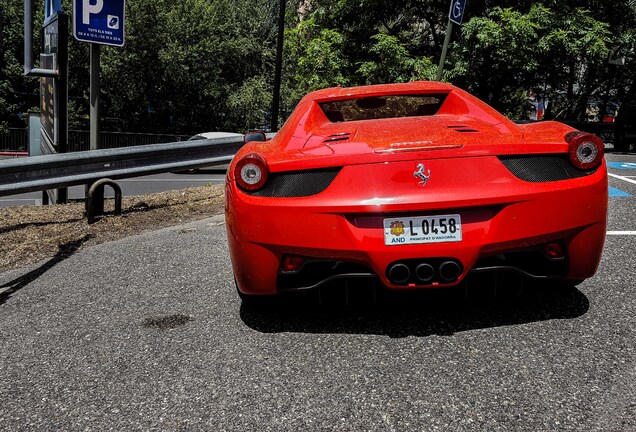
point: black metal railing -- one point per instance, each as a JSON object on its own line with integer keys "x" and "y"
{"x": 606, "y": 131}
{"x": 14, "y": 140}
{"x": 79, "y": 140}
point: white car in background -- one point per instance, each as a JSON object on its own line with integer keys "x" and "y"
{"x": 211, "y": 135}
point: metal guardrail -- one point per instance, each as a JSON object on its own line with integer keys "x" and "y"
{"x": 69, "y": 169}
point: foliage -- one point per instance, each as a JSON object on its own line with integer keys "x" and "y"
{"x": 17, "y": 93}
{"x": 203, "y": 65}
{"x": 317, "y": 61}
{"x": 392, "y": 62}
{"x": 249, "y": 104}
{"x": 199, "y": 53}
{"x": 505, "y": 48}
{"x": 186, "y": 67}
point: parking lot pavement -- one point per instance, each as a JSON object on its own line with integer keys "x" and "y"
{"x": 148, "y": 333}
{"x": 621, "y": 169}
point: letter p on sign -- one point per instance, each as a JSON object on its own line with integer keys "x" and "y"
{"x": 88, "y": 9}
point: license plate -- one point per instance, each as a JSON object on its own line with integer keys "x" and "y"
{"x": 422, "y": 229}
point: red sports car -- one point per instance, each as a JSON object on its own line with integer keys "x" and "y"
{"x": 418, "y": 185}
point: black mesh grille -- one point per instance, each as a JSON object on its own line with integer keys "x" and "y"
{"x": 543, "y": 168}
{"x": 297, "y": 183}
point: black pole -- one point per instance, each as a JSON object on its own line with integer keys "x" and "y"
{"x": 61, "y": 95}
{"x": 28, "y": 36}
{"x": 442, "y": 59}
{"x": 95, "y": 84}
{"x": 279, "y": 67}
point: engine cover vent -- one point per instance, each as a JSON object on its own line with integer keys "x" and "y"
{"x": 342, "y": 136}
{"x": 461, "y": 128}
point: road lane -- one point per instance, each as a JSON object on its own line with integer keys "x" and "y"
{"x": 148, "y": 333}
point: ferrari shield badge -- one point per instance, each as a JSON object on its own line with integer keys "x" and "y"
{"x": 397, "y": 228}
{"x": 419, "y": 173}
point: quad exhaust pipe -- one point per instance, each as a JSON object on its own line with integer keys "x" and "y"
{"x": 441, "y": 270}
{"x": 424, "y": 272}
{"x": 449, "y": 271}
{"x": 399, "y": 273}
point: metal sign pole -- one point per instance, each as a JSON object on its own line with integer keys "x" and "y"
{"x": 94, "y": 96}
{"x": 455, "y": 15}
{"x": 99, "y": 23}
{"x": 96, "y": 204}
{"x": 442, "y": 60}
{"x": 279, "y": 67}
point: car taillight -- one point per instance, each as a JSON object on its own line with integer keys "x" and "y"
{"x": 586, "y": 150}
{"x": 251, "y": 172}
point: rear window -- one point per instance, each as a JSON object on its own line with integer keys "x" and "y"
{"x": 382, "y": 107}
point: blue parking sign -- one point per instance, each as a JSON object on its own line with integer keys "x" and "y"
{"x": 456, "y": 13}
{"x": 99, "y": 21}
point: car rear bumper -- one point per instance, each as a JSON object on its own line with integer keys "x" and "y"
{"x": 500, "y": 215}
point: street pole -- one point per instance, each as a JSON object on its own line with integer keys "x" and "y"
{"x": 98, "y": 197}
{"x": 94, "y": 97}
{"x": 442, "y": 60}
{"x": 279, "y": 67}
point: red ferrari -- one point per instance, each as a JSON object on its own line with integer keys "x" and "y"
{"x": 416, "y": 185}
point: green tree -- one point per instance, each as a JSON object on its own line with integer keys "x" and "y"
{"x": 314, "y": 60}
{"x": 18, "y": 94}
{"x": 504, "y": 49}
{"x": 392, "y": 62}
{"x": 249, "y": 104}
{"x": 198, "y": 65}
{"x": 183, "y": 62}
{"x": 500, "y": 55}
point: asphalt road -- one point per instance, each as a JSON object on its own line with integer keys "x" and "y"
{"x": 132, "y": 186}
{"x": 148, "y": 333}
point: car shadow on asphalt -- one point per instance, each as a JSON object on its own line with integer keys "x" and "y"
{"x": 366, "y": 310}
{"x": 64, "y": 251}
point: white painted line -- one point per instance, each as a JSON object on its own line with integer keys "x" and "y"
{"x": 622, "y": 178}
{"x": 621, "y": 233}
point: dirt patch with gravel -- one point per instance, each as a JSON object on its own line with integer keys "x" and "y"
{"x": 29, "y": 234}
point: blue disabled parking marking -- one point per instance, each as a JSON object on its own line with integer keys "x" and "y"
{"x": 622, "y": 165}
{"x": 617, "y": 192}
